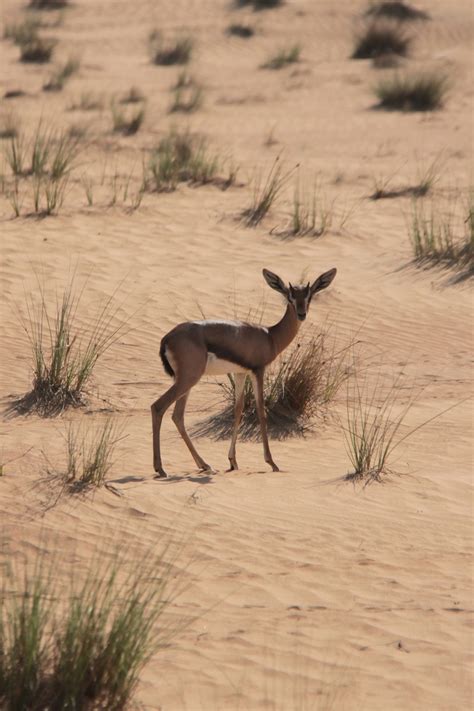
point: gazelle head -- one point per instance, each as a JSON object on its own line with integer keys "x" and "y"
{"x": 299, "y": 297}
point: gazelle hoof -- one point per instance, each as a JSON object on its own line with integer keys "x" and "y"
{"x": 233, "y": 465}
{"x": 160, "y": 475}
{"x": 274, "y": 466}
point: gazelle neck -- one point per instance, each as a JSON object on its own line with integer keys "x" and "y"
{"x": 283, "y": 332}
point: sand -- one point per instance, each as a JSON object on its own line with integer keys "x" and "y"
{"x": 302, "y": 591}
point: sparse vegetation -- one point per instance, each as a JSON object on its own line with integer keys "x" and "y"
{"x": 310, "y": 216}
{"x": 238, "y": 30}
{"x": 182, "y": 157}
{"x": 260, "y": 4}
{"x": 133, "y": 96}
{"x": 426, "y": 180}
{"x": 89, "y": 453}
{"x": 372, "y": 427}
{"x": 423, "y": 92}
{"x": 128, "y": 124}
{"x": 187, "y": 100}
{"x": 443, "y": 238}
{"x": 48, "y": 4}
{"x": 298, "y": 389}
{"x": 168, "y": 53}
{"x": 379, "y": 39}
{"x": 64, "y": 354}
{"x": 396, "y": 10}
{"x": 88, "y": 101}
{"x": 264, "y": 195}
{"x": 9, "y": 126}
{"x": 81, "y": 645}
{"x": 59, "y": 77}
{"x": 283, "y": 57}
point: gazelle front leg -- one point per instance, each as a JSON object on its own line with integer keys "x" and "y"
{"x": 257, "y": 384}
{"x": 239, "y": 388}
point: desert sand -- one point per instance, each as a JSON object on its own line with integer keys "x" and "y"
{"x": 304, "y": 592}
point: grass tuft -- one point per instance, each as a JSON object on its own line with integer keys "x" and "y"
{"x": 64, "y": 354}
{"x": 133, "y": 96}
{"x": 260, "y": 4}
{"x": 81, "y": 645}
{"x": 379, "y": 39}
{"x": 441, "y": 239}
{"x": 59, "y": 78}
{"x": 182, "y": 157}
{"x": 166, "y": 54}
{"x": 396, "y": 10}
{"x": 48, "y": 4}
{"x": 89, "y": 457}
{"x": 424, "y": 92}
{"x": 187, "y": 99}
{"x": 264, "y": 195}
{"x": 127, "y": 124}
{"x": 296, "y": 391}
{"x": 283, "y": 57}
{"x": 309, "y": 215}
{"x": 236, "y": 29}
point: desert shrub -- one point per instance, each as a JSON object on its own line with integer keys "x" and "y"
{"x": 81, "y": 646}
{"x": 58, "y": 79}
{"x": 296, "y": 390}
{"x": 64, "y": 355}
{"x": 182, "y": 157}
{"x": 424, "y": 92}
{"x": 265, "y": 194}
{"x": 128, "y": 124}
{"x": 283, "y": 57}
{"x": 238, "y": 30}
{"x": 187, "y": 99}
{"x": 381, "y": 38}
{"x": 173, "y": 52}
{"x": 396, "y": 10}
{"x": 443, "y": 237}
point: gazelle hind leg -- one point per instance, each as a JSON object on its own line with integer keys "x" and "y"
{"x": 257, "y": 384}
{"x": 178, "y": 419}
{"x": 239, "y": 383}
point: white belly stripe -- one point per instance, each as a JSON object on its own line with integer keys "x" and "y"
{"x": 219, "y": 366}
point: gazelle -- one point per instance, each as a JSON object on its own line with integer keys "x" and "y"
{"x": 197, "y": 348}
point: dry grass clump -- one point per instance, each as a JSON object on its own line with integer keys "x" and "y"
{"x": 9, "y": 125}
{"x": 237, "y": 29}
{"x": 127, "y": 123}
{"x": 33, "y": 47}
{"x": 50, "y": 153}
{"x": 396, "y": 10}
{"x": 187, "y": 99}
{"x": 89, "y": 457}
{"x": 81, "y": 645}
{"x": 88, "y": 101}
{"x": 439, "y": 238}
{"x": 168, "y": 53}
{"x": 283, "y": 57}
{"x": 265, "y": 194}
{"x": 426, "y": 180}
{"x": 59, "y": 78}
{"x": 64, "y": 353}
{"x": 423, "y": 92}
{"x": 182, "y": 157}
{"x": 310, "y": 216}
{"x": 381, "y": 39}
{"x": 296, "y": 390}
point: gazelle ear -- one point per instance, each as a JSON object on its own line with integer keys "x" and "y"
{"x": 274, "y": 282}
{"x": 323, "y": 281}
